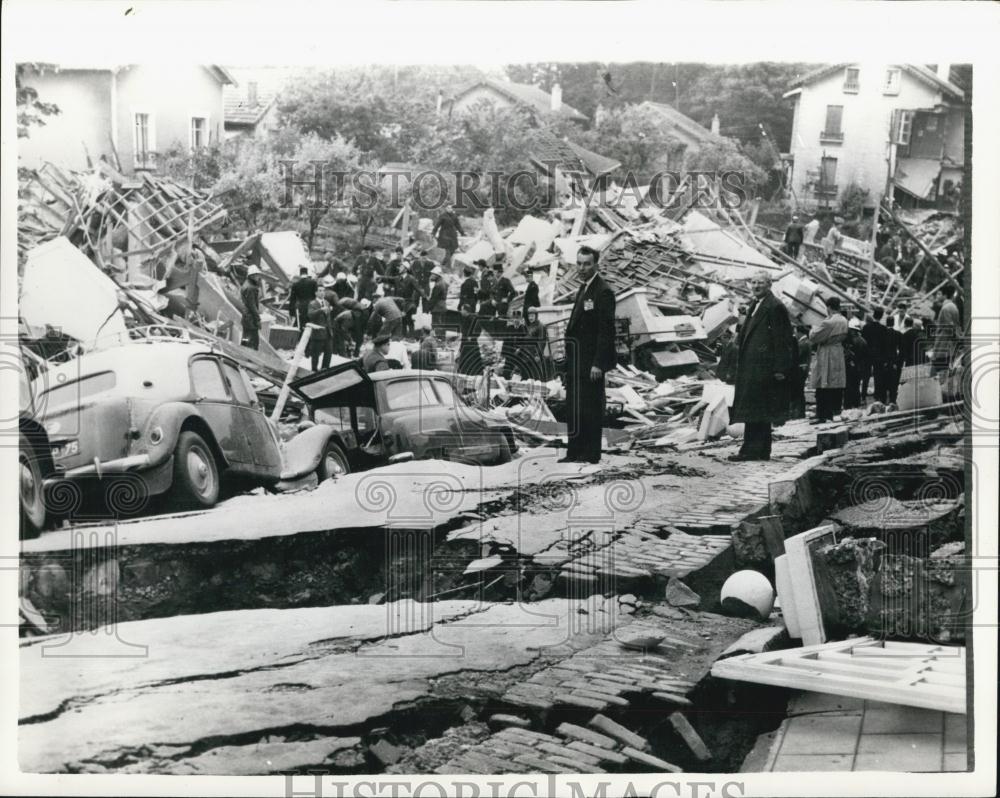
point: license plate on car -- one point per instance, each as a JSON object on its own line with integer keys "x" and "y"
{"x": 66, "y": 449}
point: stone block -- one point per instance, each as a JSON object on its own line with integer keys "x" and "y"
{"x": 581, "y": 701}
{"x": 586, "y": 735}
{"x": 835, "y": 438}
{"x": 691, "y": 737}
{"x": 600, "y": 754}
{"x": 627, "y": 736}
{"x": 678, "y": 594}
{"x": 651, "y": 761}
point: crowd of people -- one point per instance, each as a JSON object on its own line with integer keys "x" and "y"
{"x": 378, "y": 298}
{"x": 844, "y": 360}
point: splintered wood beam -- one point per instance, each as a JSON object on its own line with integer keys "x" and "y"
{"x": 913, "y": 237}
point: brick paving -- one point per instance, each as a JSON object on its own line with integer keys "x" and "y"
{"x": 603, "y": 680}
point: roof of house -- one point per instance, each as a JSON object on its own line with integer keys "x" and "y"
{"x": 684, "y": 123}
{"x": 220, "y": 73}
{"x": 526, "y": 94}
{"x": 928, "y": 76}
{"x": 238, "y": 110}
{"x": 569, "y": 157}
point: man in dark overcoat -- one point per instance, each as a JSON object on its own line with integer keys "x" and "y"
{"x": 767, "y": 354}
{"x": 590, "y": 353}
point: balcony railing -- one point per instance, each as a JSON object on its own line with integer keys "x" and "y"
{"x": 831, "y": 136}
{"x": 852, "y": 87}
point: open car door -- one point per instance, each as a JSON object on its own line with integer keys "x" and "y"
{"x": 344, "y": 395}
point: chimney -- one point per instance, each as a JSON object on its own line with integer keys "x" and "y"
{"x": 715, "y": 124}
{"x": 252, "y": 93}
{"x": 556, "y": 97}
{"x": 943, "y": 71}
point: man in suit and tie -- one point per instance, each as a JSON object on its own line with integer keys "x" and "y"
{"x": 590, "y": 353}
{"x": 767, "y": 354}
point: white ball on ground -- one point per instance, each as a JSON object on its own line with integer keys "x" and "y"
{"x": 748, "y": 594}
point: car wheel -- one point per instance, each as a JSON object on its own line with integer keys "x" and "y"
{"x": 31, "y": 490}
{"x": 196, "y": 475}
{"x": 333, "y": 463}
{"x": 505, "y": 455}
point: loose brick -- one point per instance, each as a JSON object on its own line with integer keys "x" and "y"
{"x": 591, "y": 684}
{"x": 537, "y": 763}
{"x": 507, "y": 748}
{"x": 601, "y": 754}
{"x": 582, "y": 701}
{"x": 501, "y": 720}
{"x": 573, "y": 764}
{"x": 596, "y": 696}
{"x": 652, "y": 761}
{"x": 492, "y": 764}
{"x": 619, "y": 732}
{"x": 560, "y": 750}
{"x": 528, "y": 734}
{"x": 694, "y": 742}
{"x": 527, "y": 700}
{"x": 672, "y": 698}
{"x": 586, "y": 735}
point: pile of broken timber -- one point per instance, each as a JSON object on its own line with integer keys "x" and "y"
{"x": 662, "y": 267}
{"x": 652, "y": 415}
{"x": 107, "y": 215}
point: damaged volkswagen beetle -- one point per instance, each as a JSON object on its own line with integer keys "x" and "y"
{"x": 396, "y": 415}
{"x": 177, "y": 414}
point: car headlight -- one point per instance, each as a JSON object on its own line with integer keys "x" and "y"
{"x": 156, "y": 435}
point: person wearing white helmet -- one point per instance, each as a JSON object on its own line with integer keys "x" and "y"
{"x": 436, "y": 302}
{"x": 250, "y": 296}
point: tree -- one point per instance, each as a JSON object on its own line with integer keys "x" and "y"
{"x": 634, "y": 135}
{"x": 335, "y": 157}
{"x": 31, "y": 111}
{"x": 725, "y": 156}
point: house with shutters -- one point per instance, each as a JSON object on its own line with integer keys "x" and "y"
{"x": 125, "y": 113}
{"x": 864, "y": 123}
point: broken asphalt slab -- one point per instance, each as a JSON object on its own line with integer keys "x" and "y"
{"x": 197, "y": 683}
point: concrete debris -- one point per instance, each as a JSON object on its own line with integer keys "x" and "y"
{"x": 680, "y": 595}
{"x": 687, "y": 732}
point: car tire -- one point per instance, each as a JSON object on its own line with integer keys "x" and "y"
{"x": 505, "y": 455}
{"x": 31, "y": 490}
{"x": 196, "y": 474}
{"x": 332, "y": 463}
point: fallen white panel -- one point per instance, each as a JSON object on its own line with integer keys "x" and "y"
{"x": 62, "y": 288}
{"x": 287, "y": 251}
{"x": 914, "y": 674}
{"x": 808, "y": 611}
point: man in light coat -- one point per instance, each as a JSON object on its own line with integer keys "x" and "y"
{"x": 829, "y": 370}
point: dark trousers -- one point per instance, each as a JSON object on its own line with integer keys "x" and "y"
{"x": 797, "y": 393}
{"x": 895, "y": 371}
{"x": 320, "y": 348}
{"x": 251, "y": 338}
{"x": 792, "y": 249}
{"x": 585, "y": 402}
{"x": 828, "y": 403}
{"x": 302, "y": 315}
{"x": 392, "y": 328}
{"x": 852, "y": 393}
{"x": 882, "y": 371}
{"x": 756, "y": 440}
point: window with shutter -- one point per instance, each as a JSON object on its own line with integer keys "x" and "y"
{"x": 832, "y": 130}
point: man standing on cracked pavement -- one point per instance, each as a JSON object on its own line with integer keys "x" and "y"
{"x": 766, "y": 358}
{"x": 590, "y": 353}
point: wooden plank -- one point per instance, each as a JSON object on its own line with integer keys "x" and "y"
{"x": 841, "y": 669}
